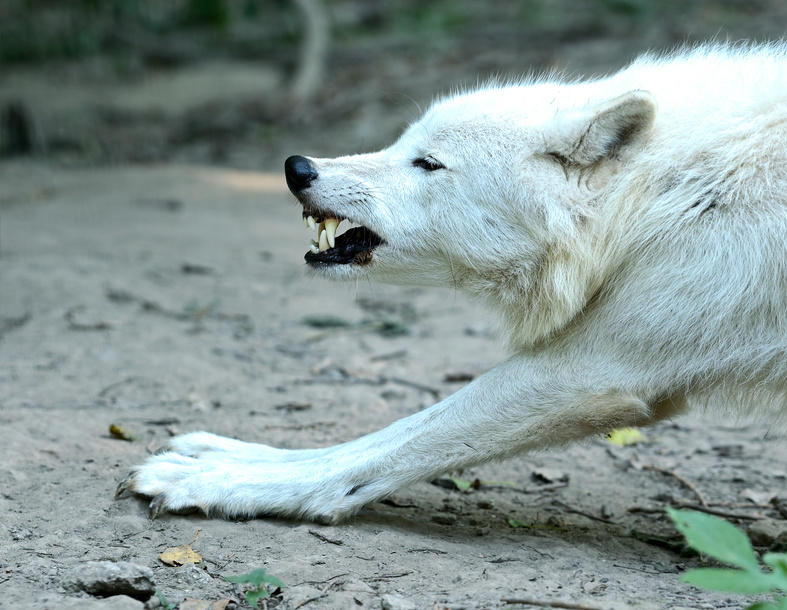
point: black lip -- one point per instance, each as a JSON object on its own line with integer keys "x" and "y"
{"x": 353, "y": 246}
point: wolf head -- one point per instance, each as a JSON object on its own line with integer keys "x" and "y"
{"x": 492, "y": 192}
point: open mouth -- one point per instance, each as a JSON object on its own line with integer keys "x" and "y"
{"x": 355, "y": 245}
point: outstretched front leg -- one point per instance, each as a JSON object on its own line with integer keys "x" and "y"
{"x": 211, "y": 446}
{"x": 523, "y": 404}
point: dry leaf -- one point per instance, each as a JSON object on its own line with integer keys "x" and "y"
{"x": 122, "y": 433}
{"x": 181, "y": 555}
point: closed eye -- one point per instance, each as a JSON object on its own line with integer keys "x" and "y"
{"x": 428, "y": 164}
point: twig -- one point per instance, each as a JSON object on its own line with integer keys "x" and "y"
{"x": 320, "y": 582}
{"x": 317, "y": 424}
{"x": 128, "y": 381}
{"x": 323, "y": 592}
{"x": 535, "y": 550}
{"x": 698, "y": 507}
{"x": 325, "y": 538}
{"x": 388, "y": 576}
{"x": 390, "y": 356}
{"x": 583, "y": 513}
{"x": 547, "y": 603}
{"x": 376, "y": 381}
{"x": 74, "y": 324}
{"x": 679, "y": 478}
{"x": 616, "y": 565}
{"x": 741, "y": 505}
{"x": 526, "y": 490}
{"x": 719, "y": 513}
{"x": 412, "y": 384}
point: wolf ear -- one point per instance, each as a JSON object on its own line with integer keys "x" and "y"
{"x": 591, "y": 134}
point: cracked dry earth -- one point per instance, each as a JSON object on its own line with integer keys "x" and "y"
{"x": 171, "y": 299}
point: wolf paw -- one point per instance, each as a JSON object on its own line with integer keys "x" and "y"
{"x": 219, "y": 486}
{"x": 165, "y": 478}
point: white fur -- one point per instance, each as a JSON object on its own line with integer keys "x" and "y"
{"x": 630, "y": 231}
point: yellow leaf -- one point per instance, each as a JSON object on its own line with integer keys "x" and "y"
{"x": 181, "y": 555}
{"x": 122, "y": 433}
{"x": 626, "y": 436}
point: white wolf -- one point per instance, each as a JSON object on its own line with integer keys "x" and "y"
{"x": 630, "y": 231}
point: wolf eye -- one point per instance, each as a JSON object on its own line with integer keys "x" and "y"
{"x": 429, "y": 165}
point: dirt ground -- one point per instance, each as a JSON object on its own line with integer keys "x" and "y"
{"x": 171, "y": 299}
{"x": 172, "y": 296}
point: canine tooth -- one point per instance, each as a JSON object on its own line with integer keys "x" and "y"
{"x": 305, "y": 223}
{"x": 310, "y": 223}
{"x": 323, "y": 240}
{"x": 330, "y": 229}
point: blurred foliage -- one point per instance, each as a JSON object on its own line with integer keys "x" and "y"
{"x": 37, "y": 30}
{"x": 180, "y": 30}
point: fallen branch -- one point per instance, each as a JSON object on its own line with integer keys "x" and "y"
{"x": 387, "y": 576}
{"x": 320, "y": 595}
{"x": 583, "y": 513}
{"x": 547, "y": 603}
{"x": 679, "y": 478}
{"x": 325, "y": 538}
{"x": 698, "y": 507}
{"x": 317, "y": 424}
{"x": 718, "y": 512}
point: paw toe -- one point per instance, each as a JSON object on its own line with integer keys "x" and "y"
{"x": 156, "y": 506}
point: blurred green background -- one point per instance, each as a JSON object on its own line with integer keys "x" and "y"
{"x": 244, "y": 83}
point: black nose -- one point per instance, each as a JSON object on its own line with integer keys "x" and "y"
{"x": 299, "y": 172}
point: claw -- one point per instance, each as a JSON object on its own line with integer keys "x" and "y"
{"x": 123, "y": 487}
{"x": 156, "y": 506}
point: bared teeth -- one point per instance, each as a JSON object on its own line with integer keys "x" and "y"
{"x": 330, "y": 230}
{"x": 326, "y": 233}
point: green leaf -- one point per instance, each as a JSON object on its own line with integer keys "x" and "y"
{"x": 778, "y": 561}
{"x": 461, "y": 484}
{"x": 518, "y": 523}
{"x": 731, "y": 581}
{"x": 253, "y": 595}
{"x": 164, "y": 601}
{"x": 255, "y": 577}
{"x": 716, "y": 538}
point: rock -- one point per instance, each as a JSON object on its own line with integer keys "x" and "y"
{"x": 396, "y": 602}
{"x": 444, "y": 519}
{"x": 766, "y": 532}
{"x": 107, "y": 578}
